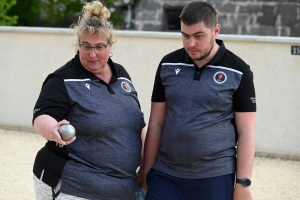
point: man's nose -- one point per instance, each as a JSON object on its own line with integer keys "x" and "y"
{"x": 192, "y": 42}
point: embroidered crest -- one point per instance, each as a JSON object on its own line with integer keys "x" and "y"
{"x": 220, "y": 77}
{"x": 125, "y": 87}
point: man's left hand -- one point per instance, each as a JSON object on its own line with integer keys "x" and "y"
{"x": 242, "y": 193}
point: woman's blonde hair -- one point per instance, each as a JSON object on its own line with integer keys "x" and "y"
{"x": 95, "y": 21}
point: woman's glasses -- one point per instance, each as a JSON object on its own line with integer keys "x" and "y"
{"x": 85, "y": 48}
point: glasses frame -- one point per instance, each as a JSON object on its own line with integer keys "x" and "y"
{"x": 105, "y": 46}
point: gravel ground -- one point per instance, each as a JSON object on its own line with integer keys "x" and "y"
{"x": 273, "y": 179}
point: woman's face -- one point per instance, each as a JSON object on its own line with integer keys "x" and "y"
{"x": 94, "y": 59}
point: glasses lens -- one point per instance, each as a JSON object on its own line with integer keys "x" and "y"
{"x": 99, "y": 48}
{"x": 85, "y": 48}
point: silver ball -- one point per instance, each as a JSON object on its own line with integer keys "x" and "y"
{"x": 67, "y": 132}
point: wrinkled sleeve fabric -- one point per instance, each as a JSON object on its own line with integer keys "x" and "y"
{"x": 53, "y": 99}
{"x": 158, "y": 93}
{"x": 244, "y": 99}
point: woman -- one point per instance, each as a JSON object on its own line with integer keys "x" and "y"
{"x": 96, "y": 96}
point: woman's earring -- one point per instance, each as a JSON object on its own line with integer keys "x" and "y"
{"x": 110, "y": 54}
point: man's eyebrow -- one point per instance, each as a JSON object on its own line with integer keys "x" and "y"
{"x": 199, "y": 32}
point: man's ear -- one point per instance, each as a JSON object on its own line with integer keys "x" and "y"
{"x": 217, "y": 30}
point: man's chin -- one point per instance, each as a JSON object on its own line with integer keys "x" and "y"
{"x": 194, "y": 57}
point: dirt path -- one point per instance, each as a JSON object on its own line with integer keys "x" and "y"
{"x": 273, "y": 179}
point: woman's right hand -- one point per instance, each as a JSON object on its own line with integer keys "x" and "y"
{"x": 48, "y": 127}
{"x": 55, "y": 136}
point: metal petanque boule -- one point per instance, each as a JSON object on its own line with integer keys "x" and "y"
{"x": 67, "y": 132}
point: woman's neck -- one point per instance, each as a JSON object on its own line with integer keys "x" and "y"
{"x": 105, "y": 74}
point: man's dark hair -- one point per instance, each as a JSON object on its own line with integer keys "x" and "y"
{"x": 199, "y": 11}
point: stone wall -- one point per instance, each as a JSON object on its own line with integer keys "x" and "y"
{"x": 242, "y": 17}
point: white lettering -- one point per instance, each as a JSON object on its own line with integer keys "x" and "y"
{"x": 253, "y": 99}
{"x": 296, "y": 50}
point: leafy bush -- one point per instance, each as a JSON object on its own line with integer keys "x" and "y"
{"x": 53, "y": 13}
{"x": 6, "y": 20}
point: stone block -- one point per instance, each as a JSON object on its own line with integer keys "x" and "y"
{"x": 149, "y": 5}
{"x": 288, "y": 20}
{"x": 258, "y": 30}
{"x": 138, "y": 25}
{"x": 269, "y": 30}
{"x": 266, "y": 20}
{"x": 212, "y": 2}
{"x": 268, "y": 9}
{"x": 229, "y": 30}
{"x": 268, "y": 1}
{"x": 287, "y": 9}
{"x": 225, "y": 8}
{"x": 149, "y": 15}
{"x": 295, "y": 31}
{"x": 151, "y": 27}
{"x": 250, "y": 31}
{"x": 139, "y": 15}
{"x": 223, "y": 19}
{"x": 174, "y": 4}
{"x": 277, "y": 1}
{"x": 264, "y": 31}
{"x": 250, "y": 9}
{"x": 240, "y": 20}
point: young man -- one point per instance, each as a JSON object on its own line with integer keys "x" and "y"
{"x": 200, "y": 139}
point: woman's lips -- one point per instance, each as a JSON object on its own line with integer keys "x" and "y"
{"x": 93, "y": 61}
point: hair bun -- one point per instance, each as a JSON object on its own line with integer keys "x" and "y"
{"x": 96, "y": 9}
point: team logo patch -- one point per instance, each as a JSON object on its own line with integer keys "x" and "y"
{"x": 220, "y": 77}
{"x": 177, "y": 70}
{"x": 125, "y": 87}
{"x": 87, "y": 85}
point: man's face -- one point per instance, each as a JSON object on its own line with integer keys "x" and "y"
{"x": 198, "y": 40}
